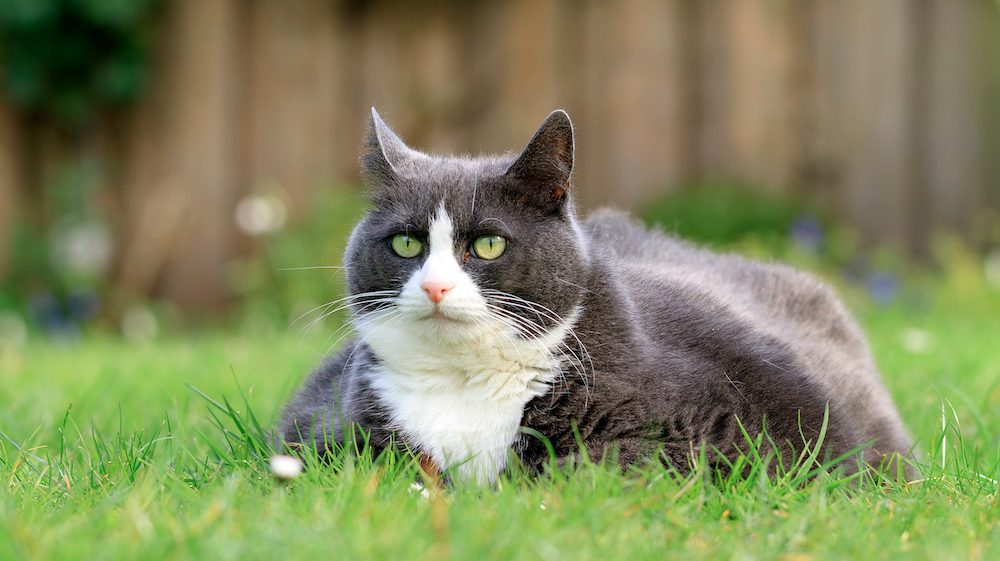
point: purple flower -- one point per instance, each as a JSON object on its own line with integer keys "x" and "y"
{"x": 61, "y": 318}
{"x": 807, "y": 233}
{"x": 883, "y": 286}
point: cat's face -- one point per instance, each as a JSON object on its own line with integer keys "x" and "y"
{"x": 456, "y": 245}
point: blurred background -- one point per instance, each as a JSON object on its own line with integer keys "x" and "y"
{"x": 179, "y": 162}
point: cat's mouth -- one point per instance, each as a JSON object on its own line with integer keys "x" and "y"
{"x": 439, "y": 315}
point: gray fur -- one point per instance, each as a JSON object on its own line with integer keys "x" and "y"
{"x": 679, "y": 342}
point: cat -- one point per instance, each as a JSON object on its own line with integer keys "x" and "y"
{"x": 490, "y": 319}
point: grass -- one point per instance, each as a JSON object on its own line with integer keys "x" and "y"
{"x": 107, "y": 452}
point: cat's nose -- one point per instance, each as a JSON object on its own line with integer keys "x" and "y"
{"x": 436, "y": 289}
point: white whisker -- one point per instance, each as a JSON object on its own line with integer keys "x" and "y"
{"x": 311, "y": 268}
{"x": 547, "y": 313}
{"x": 347, "y": 298}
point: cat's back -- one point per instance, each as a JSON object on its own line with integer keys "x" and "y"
{"x": 777, "y": 295}
{"x": 769, "y": 301}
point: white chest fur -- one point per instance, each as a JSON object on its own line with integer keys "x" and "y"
{"x": 461, "y": 401}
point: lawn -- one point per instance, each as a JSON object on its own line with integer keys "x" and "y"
{"x": 108, "y": 452}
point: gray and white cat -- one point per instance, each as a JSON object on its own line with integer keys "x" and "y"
{"x": 483, "y": 304}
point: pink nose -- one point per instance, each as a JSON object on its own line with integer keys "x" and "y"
{"x": 436, "y": 289}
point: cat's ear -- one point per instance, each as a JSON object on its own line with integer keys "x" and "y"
{"x": 385, "y": 154}
{"x": 542, "y": 171}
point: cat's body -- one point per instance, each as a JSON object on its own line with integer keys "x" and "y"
{"x": 597, "y": 331}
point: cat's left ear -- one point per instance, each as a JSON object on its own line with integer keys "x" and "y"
{"x": 541, "y": 173}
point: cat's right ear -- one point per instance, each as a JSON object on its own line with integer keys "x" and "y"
{"x": 385, "y": 154}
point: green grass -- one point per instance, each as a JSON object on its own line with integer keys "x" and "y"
{"x": 107, "y": 453}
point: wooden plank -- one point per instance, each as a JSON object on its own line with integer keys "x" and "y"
{"x": 948, "y": 157}
{"x": 529, "y": 74}
{"x": 382, "y": 70}
{"x": 10, "y": 162}
{"x": 647, "y": 138}
{"x": 986, "y": 56}
{"x": 755, "y": 100}
{"x": 633, "y": 101}
{"x": 291, "y": 118}
{"x": 864, "y": 72}
{"x": 179, "y": 233}
{"x": 434, "y": 80}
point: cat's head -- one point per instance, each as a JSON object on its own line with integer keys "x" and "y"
{"x": 453, "y": 242}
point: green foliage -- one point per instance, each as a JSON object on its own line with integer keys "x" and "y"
{"x": 69, "y": 58}
{"x": 38, "y": 264}
{"x": 298, "y": 268}
{"x": 32, "y": 269}
{"x": 721, "y": 214}
{"x": 730, "y": 217}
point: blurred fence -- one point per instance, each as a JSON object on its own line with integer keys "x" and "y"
{"x": 880, "y": 111}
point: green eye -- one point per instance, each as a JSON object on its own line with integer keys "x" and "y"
{"x": 489, "y": 247}
{"x": 406, "y": 245}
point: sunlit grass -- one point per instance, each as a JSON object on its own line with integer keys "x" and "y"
{"x": 117, "y": 451}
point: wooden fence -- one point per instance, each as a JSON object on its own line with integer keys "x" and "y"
{"x": 877, "y": 109}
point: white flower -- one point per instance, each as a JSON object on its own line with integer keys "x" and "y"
{"x": 258, "y": 215}
{"x": 916, "y": 341}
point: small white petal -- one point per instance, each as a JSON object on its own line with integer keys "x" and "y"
{"x": 285, "y": 467}
{"x": 417, "y": 487}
